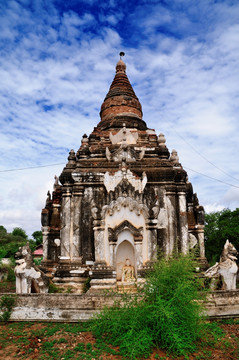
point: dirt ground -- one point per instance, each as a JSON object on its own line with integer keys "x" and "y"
{"x": 73, "y": 341}
{"x": 8, "y": 287}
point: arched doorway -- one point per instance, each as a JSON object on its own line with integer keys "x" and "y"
{"x": 125, "y": 251}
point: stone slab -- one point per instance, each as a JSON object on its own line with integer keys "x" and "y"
{"x": 81, "y": 307}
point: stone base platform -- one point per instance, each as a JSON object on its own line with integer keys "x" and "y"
{"x": 126, "y": 288}
{"x": 81, "y": 307}
{"x": 223, "y": 304}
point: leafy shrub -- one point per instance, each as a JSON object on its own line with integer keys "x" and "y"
{"x": 8, "y": 270}
{"x": 87, "y": 285}
{"x": 37, "y": 261}
{"x": 53, "y": 288}
{"x": 166, "y": 313}
{"x": 6, "y": 304}
{"x": 11, "y": 276}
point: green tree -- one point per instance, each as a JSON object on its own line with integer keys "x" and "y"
{"x": 37, "y": 236}
{"x": 220, "y": 226}
{"x": 17, "y": 231}
{"x": 3, "y": 231}
{"x": 10, "y": 242}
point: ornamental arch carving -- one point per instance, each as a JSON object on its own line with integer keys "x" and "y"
{"x": 122, "y": 203}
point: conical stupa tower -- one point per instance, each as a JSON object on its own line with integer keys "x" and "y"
{"x": 122, "y": 199}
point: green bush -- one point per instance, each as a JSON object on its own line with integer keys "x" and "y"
{"x": 7, "y": 302}
{"x": 11, "y": 275}
{"x": 9, "y": 271}
{"x": 53, "y": 288}
{"x": 37, "y": 261}
{"x": 166, "y": 313}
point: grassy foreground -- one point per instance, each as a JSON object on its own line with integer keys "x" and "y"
{"x": 163, "y": 320}
{"x": 74, "y": 341}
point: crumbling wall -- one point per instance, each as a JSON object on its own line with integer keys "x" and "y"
{"x": 76, "y": 307}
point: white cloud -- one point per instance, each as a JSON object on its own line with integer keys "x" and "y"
{"x": 213, "y": 208}
{"x": 56, "y": 69}
{"x": 231, "y": 197}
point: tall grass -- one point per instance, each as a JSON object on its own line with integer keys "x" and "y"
{"x": 165, "y": 313}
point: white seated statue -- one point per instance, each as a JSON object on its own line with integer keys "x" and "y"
{"x": 128, "y": 272}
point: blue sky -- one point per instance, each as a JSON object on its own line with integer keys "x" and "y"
{"x": 57, "y": 61}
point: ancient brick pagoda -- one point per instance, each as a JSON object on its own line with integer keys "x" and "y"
{"x": 122, "y": 199}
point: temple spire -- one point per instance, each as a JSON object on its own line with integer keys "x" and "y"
{"x": 121, "y": 105}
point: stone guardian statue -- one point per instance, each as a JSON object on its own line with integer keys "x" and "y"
{"x": 29, "y": 278}
{"x": 227, "y": 268}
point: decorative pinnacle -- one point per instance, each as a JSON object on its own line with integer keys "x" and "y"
{"x": 121, "y": 54}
